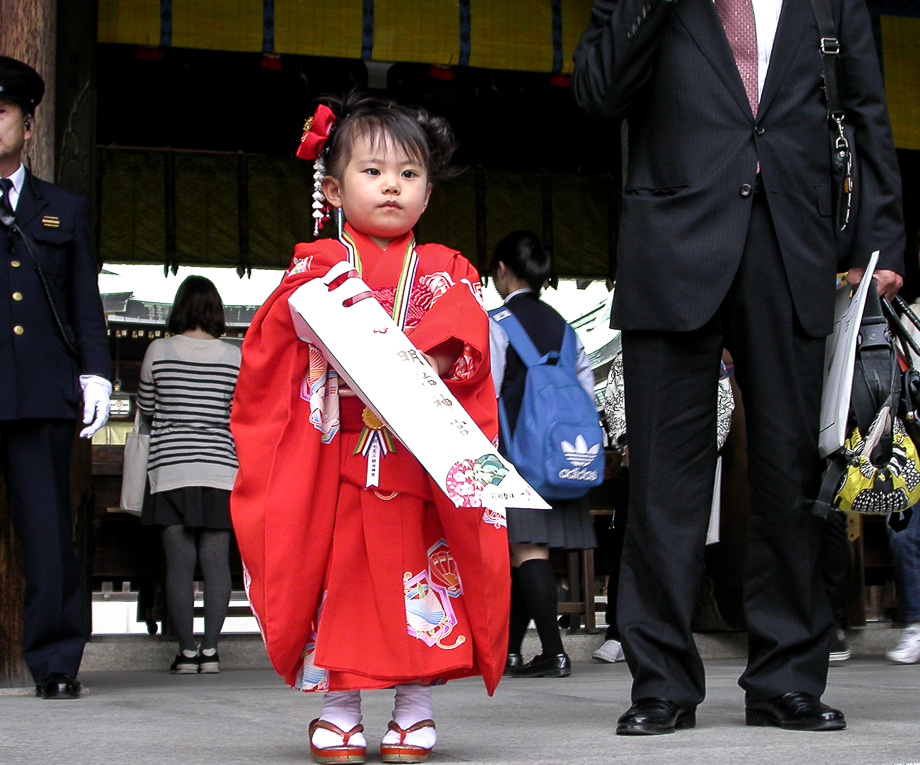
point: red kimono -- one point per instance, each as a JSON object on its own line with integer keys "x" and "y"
{"x": 358, "y": 588}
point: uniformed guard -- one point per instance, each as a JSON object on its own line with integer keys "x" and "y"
{"x": 54, "y": 365}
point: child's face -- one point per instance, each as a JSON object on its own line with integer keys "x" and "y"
{"x": 383, "y": 191}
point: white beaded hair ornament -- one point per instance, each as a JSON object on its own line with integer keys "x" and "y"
{"x": 316, "y": 132}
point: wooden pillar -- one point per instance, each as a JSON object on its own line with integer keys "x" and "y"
{"x": 27, "y": 33}
{"x": 64, "y": 129}
{"x": 13, "y": 671}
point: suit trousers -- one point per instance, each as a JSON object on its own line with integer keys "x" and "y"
{"x": 35, "y": 461}
{"x": 671, "y": 390}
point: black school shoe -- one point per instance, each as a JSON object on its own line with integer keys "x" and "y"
{"x": 794, "y": 711}
{"x": 58, "y": 686}
{"x": 653, "y": 717}
{"x": 559, "y": 665}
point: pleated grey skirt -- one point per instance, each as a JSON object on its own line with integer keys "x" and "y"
{"x": 568, "y": 526}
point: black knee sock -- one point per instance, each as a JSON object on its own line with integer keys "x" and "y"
{"x": 520, "y": 616}
{"x": 538, "y": 587}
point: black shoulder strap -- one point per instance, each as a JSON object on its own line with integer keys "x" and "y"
{"x": 830, "y": 61}
{"x": 830, "y": 50}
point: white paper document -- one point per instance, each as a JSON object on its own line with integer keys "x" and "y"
{"x": 394, "y": 381}
{"x": 715, "y": 512}
{"x": 839, "y": 361}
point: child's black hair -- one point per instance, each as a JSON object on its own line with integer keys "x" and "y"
{"x": 423, "y": 136}
{"x": 524, "y": 256}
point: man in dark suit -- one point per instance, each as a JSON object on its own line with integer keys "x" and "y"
{"x": 728, "y": 238}
{"x": 54, "y": 365}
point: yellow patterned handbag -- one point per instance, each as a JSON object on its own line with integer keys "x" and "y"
{"x": 877, "y": 472}
{"x": 879, "y": 489}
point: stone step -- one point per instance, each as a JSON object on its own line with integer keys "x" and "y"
{"x": 246, "y": 651}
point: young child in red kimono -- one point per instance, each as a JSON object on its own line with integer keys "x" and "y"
{"x": 354, "y": 586}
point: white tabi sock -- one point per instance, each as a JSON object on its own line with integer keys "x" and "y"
{"x": 412, "y": 705}
{"x": 342, "y": 709}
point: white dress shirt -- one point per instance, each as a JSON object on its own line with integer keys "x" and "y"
{"x": 498, "y": 345}
{"x": 766, "y": 19}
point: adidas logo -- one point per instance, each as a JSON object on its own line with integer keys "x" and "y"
{"x": 578, "y": 474}
{"x": 579, "y": 454}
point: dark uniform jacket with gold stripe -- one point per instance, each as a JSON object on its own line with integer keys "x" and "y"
{"x": 39, "y": 376}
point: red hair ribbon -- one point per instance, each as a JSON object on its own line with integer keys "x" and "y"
{"x": 315, "y": 132}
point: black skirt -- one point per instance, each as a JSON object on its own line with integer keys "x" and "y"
{"x": 195, "y": 507}
{"x": 567, "y": 526}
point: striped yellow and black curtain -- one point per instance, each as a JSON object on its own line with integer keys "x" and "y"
{"x": 242, "y": 210}
{"x": 524, "y": 35}
{"x": 901, "y": 59}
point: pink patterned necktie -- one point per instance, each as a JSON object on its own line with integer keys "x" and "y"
{"x": 738, "y": 20}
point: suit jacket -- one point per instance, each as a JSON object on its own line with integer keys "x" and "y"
{"x": 694, "y": 147}
{"x": 39, "y": 377}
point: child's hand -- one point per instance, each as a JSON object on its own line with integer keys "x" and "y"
{"x": 433, "y": 362}
{"x": 443, "y": 357}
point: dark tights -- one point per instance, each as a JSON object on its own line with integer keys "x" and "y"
{"x": 184, "y": 549}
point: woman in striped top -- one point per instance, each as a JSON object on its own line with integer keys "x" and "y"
{"x": 186, "y": 388}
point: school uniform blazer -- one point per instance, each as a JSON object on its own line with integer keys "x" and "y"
{"x": 694, "y": 147}
{"x": 39, "y": 378}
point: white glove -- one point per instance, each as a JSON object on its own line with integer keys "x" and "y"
{"x": 96, "y": 393}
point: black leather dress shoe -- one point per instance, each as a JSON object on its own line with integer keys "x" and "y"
{"x": 794, "y": 711}
{"x": 514, "y": 661}
{"x": 559, "y": 665}
{"x": 651, "y": 717}
{"x": 58, "y": 686}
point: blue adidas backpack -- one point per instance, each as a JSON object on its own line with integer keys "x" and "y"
{"x": 557, "y": 444}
